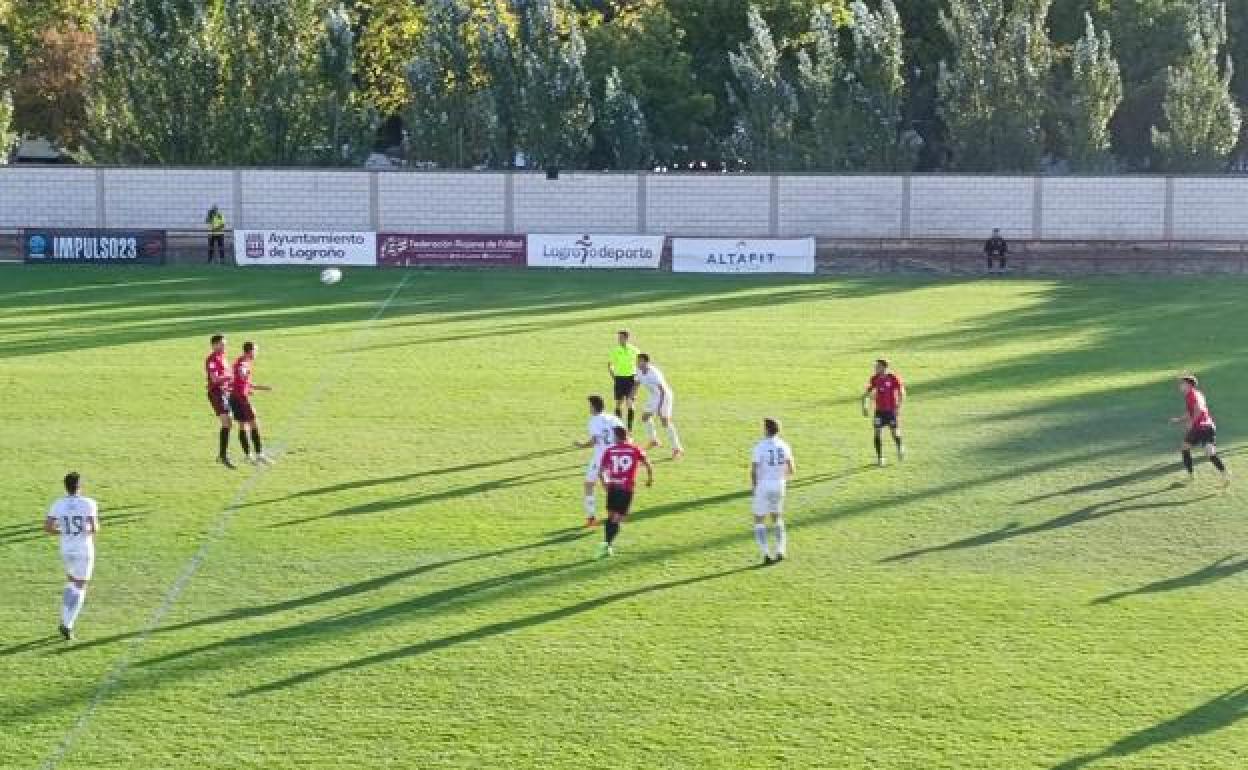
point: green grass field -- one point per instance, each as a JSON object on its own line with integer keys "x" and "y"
{"x": 407, "y": 587}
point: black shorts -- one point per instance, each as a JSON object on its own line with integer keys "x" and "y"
{"x": 241, "y": 407}
{"x": 217, "y": 399}
{"x": 619, "y": 500}
{"x": 624, "y": 387}
{"x": 885, "y": 419}
{"x": 1201, "y": 436}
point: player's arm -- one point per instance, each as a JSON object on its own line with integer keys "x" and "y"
{"x": 262, "y": 387}
{"x": 901, "y": 394}
{"x": 649, "y": 470}
{"x": 584, "y": 444}
{"x": 790, "y": 467}
{"x": 49, "y": 525}
{"x": 866, "y": 400}
{"x": 753, "y": 475}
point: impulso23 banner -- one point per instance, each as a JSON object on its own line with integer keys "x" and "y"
{"x": 595, "y": 251}
{"x": 318, "y": 248}
{"x": 93, "y": 246}
{"x": 743, "y": 255}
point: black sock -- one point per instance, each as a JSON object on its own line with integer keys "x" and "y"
{"x": 618, "y": 412}
{"x": 632, "y": 413}
{"x": 879, "y": 446}
{"x": 1187, "y": 460}
{"x": 613, "y": 529}
{"x": 1217, "y": 463}
{"x": 242, "y": 439}
{"x": 225, "y": 442}
{"x": 897, "y": 441}
{"x": 255, "y": 440}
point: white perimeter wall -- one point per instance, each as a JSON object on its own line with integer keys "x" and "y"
{"x": 919, "y": 206}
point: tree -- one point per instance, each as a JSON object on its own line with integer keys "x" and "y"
{"x": 824, "y": 87}
{"x": 623, "y": 125}
{"x": 1097, "y": 91}
{"x": 556, "y": 112}
{"x": 446, "y": 116}
{"x": 49, "y": 91}
{"x": 877, "y": 91}
{"x": 388, "y": 32}
{"x": 995, "y": 95}
{"x": 500, "y": 60}
{"x": 1201, "y": 117}
{"x": 7, "y": 137}
{"x": 765, "y": 102}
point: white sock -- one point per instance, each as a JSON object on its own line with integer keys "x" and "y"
{"x": 673, "y": 436}
{"x": 760, "y": 536}
{"x": 71, "y": 605}
{"x": 591, "y": 506}
{"x": 651, "y": 431}
{"x": 782, "y": 536}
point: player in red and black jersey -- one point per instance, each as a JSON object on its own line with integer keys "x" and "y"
{"x": 618, "y": 469}
{"x": 889, "y": 392}
{"x": 241, "y": 388}
{"x": 218, "y": 374}
{"x": 1200, "y": 428}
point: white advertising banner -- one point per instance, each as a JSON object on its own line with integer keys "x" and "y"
{"x": 305, "y": 247}
{"x": 595, "y": 251}
{"x": 751, "y": 255}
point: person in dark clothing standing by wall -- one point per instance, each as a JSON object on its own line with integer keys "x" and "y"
{"x": 996, "y": 247}
{"x": 216, "y": 233}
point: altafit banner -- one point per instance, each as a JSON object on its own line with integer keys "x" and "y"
{"x": 408, "y": 250}
{"x": 305, "y": 247}
{"x": 595, "y": 251}
{"x": 751, "y": 255}
{"x": 93, "y": 247}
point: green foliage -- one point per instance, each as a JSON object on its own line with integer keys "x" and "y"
{"x": 556, "y": 111}
{"x": 446, "y": 117}
{"x": 995, "y": 94}
{"x": 766, "y": 103}
{"x": 623, "y": 125}
{"x": 1202, "y": 119}
{"x": 390, "y": 30}
{"x": 1097, "y": 92}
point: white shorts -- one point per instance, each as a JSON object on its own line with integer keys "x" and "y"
{"x": 79, "y": 564}
{"x": 652, "y": 407}
{"x": 592, "y": 471}
{"x": 769, "y": 497}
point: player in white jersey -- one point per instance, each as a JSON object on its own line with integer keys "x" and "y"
{"x": 601, "y": 435}
{"x": 771, "y": 468}
{"x": 76, "y": 520}
{"x": 660, "y": 403}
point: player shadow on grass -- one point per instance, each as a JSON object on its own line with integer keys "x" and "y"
{"x": 1112, "y": 482}
{"x": 1217, "y": 714}
{"x": 348, "y": 486}
{"x": 333, "y": 594}
{"x": 412, "y": 501}
{"x": 1014, "y": 529}
{"x": 491, "y": 630}
{"x": 1219, "y": 570}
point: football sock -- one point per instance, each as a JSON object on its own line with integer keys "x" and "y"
{"x": 673, "y": 436}
{"x": 632, "y": 413}
{"x": 71, "y": 605}
{"x": 651, "y": 431}
{"x": 618, "y": 413}
{"x": 224, "y": 442}
{"x": 879, "y": 446}
{"x": 760, "y": 537}
{"x": 782, "y": 536}
{"x": 897, "y": 441}
{"x": 591, "y": 505}
{"x": 255, "y": 440}
{"x": 242, "y": 439}
{"x": 1187, "y": 460}
{"x": 613, "y": 529}
{"x": 1217, "y": 463}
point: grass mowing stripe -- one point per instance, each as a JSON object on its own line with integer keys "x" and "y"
{"x": 110, "y": 680}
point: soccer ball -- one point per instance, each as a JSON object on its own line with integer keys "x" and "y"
{"x": 331, "y": 276}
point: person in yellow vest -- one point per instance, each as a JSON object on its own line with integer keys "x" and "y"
{"x": 622, "y": 365}
{"x": 216, "y": 233}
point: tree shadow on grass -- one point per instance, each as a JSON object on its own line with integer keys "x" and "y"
{"x": 25, "y": 533}
{"x": 491, "y": 630}
{"x": 1014, "y": 529}
{"x": 333, "y": 594}
{"x": 1216, "y": 714}
{"x": 1219, "y": 570}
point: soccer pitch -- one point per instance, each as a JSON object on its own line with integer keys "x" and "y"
{"x": 408, "y": 586}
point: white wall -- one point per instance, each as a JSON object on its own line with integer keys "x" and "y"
{"x": 919, "y": 206}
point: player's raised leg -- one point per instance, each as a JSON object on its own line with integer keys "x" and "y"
{"x": 652, "y": 432}
{"x": 673, "y": 436}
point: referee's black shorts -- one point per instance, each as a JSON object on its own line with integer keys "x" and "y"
{"x": 624, "y": 387}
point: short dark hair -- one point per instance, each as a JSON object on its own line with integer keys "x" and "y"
{"x": 882, "y": 362}
{"x": 597, "y": 403}
{"x": 216, "y": 338}
{"x": 625, "y": 332}
{"x": 771, "y": 426}
{"x": 621, "y": 433}
{"x": 643, "y": 357}
{"x": 1190, "y": 379}
{"x": 73, "y": 482}
{"x": 249, "y": 346}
